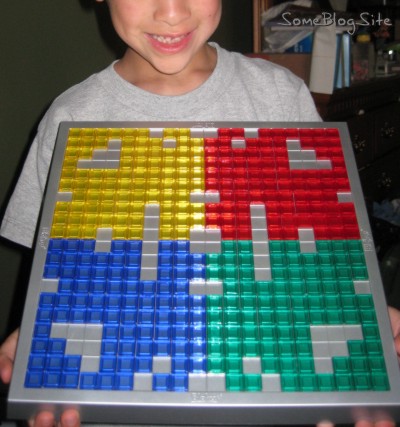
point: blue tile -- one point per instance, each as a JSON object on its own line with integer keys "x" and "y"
{"x": 51, "y": 271}
{"x": 39, "y": 346}
{"x": 143, "y": 364}
{"x": 34, "y": 379}
{"x": 51, "y": 379}
{"x": 56, "y": 245}
{"x": 54, "y": 363}
{"x": 88, "y": 381}
{"x": 108, "y": 364}
{"x": 77, "y": 315}
{"x": 87, "y": 245}
{"x": 46, "y": 300}
{"x": 80, "y": 301}
{"x": 96, "y": 301}
{"x": 42, "y": 330}
{"x": 63, "y": 300}
{"x": 144, "y": 348}
{"x": 134, "y": 246}
{"x": 44, "y": 315}
{"x": 126, "y": 348}
{"x": 61, "y": 315}
{"x": 82, "y": 285}
{"x": 85, "y": 258}
{"x": 69, "y": 258}
{"x": 56, "y": 346}
{"x": 111, "y": 332}
{"x": 109, "y": 347}
{"x": 180, "y": 365}
{"x": 105, "y": 381}
{"x": 128, "y": 332}
{"x": 198, "y": 364}
{"x": 72, "y": 363}
{"x": 123, "y": 382}
{"x": 128, "y": 317}
{"x": 36, "y": 362}
{"x": 179, "y": 383}
{"x": 114, "y": 286}
{"x": 83, "y": 272}
{"x": 69, "y": 380}
{"x": 130, "y": 286}
{"x": 66, "y": 285}
{"x": 118, "y": 246}
{"x": 132, "y": 273}
{"x": 125, "y": 364}
{"x": 162, "y": 348}
{"x": 161, "y": 382}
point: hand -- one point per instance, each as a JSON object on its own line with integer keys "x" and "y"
{"x": 69, "y": 418}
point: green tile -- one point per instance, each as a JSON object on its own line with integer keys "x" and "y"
{"x": 231, "y": 287}
{"x": 356, "y": 348}
{"x": 359, "y": 364}
{"x": 250, "y": 332}
{"x": 297, "y": 287}
{"x": 305, "y": 364}
{"x": 334, "y": 317}
{"x": 303, "y": 348}
{"x": 351, "y": 317}
{"x": 308, "y": 382}
{"x": 290, "y": 382}
{"x": 285, "y": 333}
{"x": 287, "y": 348}
{"x": 252, "y": 383}
{"x": 326, "y": 382}
{"x": 269, "y": 348}
{"x": 233, "y": 332}
{"x": 234, "y": 365}
{"x": 251, "y": 348}
{"x": 377, "y": 364}
{"x": 270, "y": 364}
{"x": 267, "y": 332}
{"x": 233, "y": 349}
{"x": 215, "y": 349}
{"x": 362, "y": 381}
{"x": 215, "y": 332}
{"x": 302, "y": 333}
{"x": 380, "y": 382}
{"x": 216, "y": 365}
{"x": 344, "y": 382}
{"x": 234, "y": 382}
{"x": 365, "y": 302}
{"x": 341, "y": 365}
{"x": 246, "y": 260}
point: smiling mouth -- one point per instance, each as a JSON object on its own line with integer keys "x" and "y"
{"x": 168, "y": 39}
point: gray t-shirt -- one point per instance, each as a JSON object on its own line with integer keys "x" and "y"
{"x": 239, "y": 89}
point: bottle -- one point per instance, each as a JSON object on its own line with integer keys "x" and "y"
{"x": 363, "y": 57}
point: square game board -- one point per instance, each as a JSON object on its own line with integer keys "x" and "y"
{"x": 192, "y": 273}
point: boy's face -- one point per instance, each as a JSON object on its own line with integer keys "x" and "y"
{"x": 168, "y": 34}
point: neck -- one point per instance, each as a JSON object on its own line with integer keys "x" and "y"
{"x": 141, "y": 73}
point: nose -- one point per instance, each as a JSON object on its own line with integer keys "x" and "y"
{"x": 172, "y": 12}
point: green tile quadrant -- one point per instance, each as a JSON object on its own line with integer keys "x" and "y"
{"x": 309, "y": 328}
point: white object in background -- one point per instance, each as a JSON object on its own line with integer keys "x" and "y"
{"x": 323, "y": 59}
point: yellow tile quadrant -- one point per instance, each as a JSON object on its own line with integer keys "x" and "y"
{"x": 147, "y": 173}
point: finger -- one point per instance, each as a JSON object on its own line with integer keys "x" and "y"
{"x": 7, "y": 354}
{"x": 70, "y": 418}
{"x": 42, "y": 419}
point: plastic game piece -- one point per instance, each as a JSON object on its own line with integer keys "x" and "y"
{"x": 188, "y": 274}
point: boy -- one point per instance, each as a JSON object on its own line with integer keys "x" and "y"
{"x": 169, "y": 72}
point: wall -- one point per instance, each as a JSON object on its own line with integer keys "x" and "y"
{"x": 45, "y": 47}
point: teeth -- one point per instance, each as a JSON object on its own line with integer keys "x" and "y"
{"x": 167, "y": 40}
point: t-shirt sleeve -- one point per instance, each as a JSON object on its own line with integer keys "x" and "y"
{"x": 22, "y": 213}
